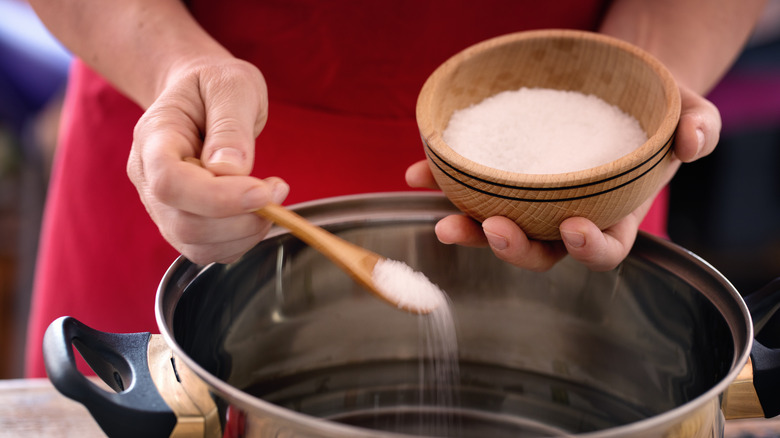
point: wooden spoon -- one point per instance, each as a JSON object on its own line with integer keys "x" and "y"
{"x": 356, "y": 261}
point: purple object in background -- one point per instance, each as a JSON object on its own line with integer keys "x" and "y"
{"x": 33, "y": 65}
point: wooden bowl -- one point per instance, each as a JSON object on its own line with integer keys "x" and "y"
{"x": 613, "y": 70}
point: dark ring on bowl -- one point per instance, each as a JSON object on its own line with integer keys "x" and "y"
{"x": 665, "y": 148}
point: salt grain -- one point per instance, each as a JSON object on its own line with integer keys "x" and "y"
{"x": 411, "y": 290}
{"x": 543, "y": 131}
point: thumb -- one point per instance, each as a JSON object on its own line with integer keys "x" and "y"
{"x": 699, "y": 128}
{"x": 234, "y": 118}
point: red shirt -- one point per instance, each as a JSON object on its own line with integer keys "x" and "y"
{"x": 343, "y": 78}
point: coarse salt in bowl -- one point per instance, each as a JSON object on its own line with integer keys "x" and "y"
{"x": 598, "y": 169}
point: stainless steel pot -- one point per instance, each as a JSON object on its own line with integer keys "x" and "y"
{"x": 282, "y": 343}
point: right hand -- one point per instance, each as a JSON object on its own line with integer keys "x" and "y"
{"x": 697, "y": 134}
{"x": 212, "y": 110}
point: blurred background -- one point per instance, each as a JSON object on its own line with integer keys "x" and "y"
{"x": 725, "y": 208}
{"x": 33, "y": 71}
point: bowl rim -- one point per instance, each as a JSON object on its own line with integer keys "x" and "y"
{"x": 661, "y": 142}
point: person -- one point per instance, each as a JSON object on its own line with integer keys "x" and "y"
{"x": 291, "y": 101}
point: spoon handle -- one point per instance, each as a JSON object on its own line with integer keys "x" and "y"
{"x": 358, "y": 262}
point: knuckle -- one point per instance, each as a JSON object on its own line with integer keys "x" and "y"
{"x": 134, "y": 169}
{"x": 163, "y": 187}
{"x": 599, "y": 265}
{"x": 528, "y": 261}
{"x": 600, "y": 261}
{"x": 151, "y": 121}
{"x": 198, "y": 254}
{"x": 215, "y": 253}
{"x": 226, "y": 126}
{"x": 182, "y": 229}
{"x": 231, "y": 77}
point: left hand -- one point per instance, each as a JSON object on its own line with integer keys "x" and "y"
{"x": 697, "y": 134}
{"x": 210, "y": 114}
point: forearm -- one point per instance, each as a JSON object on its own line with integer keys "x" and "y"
{"x": 697, "y": 40}
{"x": 136, "y": 45}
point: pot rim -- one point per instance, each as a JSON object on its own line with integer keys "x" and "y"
{"x": 683, "y": 263}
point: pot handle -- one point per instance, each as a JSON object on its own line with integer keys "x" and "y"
{"x": 764, "y": 305}
{"x": 120, "y": 360}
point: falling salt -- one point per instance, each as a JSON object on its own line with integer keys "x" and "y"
{"x": 439, "y": 370}
{"x": 543, "y": 131}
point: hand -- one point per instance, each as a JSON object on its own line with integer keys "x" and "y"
{"x": 697, "y": 134}
{"x": 212, "y": 110}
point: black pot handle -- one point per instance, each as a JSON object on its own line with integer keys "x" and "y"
{"x": 136, "y": 408}
{"x": 765, "y": 353}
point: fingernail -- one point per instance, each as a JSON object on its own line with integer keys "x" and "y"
{"x": 700, "y": 139}
{"x": 254, "y": 198}
{"x": 437, "y": 230}
{"x": 228, "y": 156}
{"x": 279, "y": 192}
{"x": 575, "y": 240}
{"x": 496, "y": 241}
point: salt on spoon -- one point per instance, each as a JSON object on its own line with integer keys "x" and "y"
{"x": 391, "y": 280}
{"x": 408, "y": 288}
